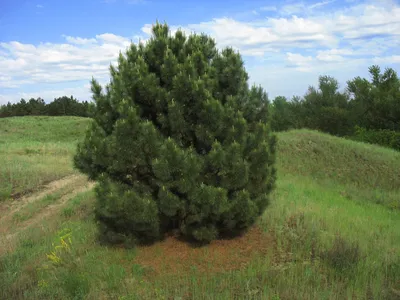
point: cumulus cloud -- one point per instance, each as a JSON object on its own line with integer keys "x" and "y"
{"x": 76, "y": 59}
{"x": 361, "y": 22}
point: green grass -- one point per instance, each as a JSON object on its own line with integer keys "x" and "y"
{"x": 366, "y": 172}
{"x": 36, "y": 150}
{"x": 334, "y": 217}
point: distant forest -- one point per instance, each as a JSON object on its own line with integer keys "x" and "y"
{"x": 62, "y": 106}
{"x": 367, "y": 110}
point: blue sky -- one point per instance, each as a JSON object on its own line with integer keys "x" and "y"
{"x": 51, "y": 48}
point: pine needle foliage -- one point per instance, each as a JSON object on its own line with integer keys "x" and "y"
{"x": 178, "y": 141}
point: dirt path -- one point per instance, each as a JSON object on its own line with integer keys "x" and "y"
{"x": 12, "y": 207}
{"x": 67, "y": 188}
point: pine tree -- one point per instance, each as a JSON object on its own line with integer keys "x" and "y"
{"x": 179, "y": 141}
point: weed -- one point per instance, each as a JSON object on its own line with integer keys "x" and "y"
{"x": 114, "y": 276}
{"x": 343, "y": 255}
{"x": 68, "y": 212}
{"x": 75, "y": 285}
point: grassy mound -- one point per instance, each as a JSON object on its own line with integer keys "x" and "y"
{"x": 367, "y": 172}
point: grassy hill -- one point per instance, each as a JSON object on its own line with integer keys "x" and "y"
{"x": 365, "y": 172}
{"x": 330, "y": 232}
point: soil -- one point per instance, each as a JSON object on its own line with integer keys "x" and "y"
{"x": 218, "y": 256}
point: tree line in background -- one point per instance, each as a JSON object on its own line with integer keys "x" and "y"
{"x": 62, "y": 106}
{"x": 367, "y": 110}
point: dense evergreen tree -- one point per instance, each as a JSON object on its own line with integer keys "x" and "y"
{"x": 68, "y": 106}
{"x": 179, "y": 140}
{"x": 6, "y": 110}
{"x": 327, "y": 107}
{"x": 324, "y": 109}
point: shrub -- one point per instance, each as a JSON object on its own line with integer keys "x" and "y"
{"x": 384, "y": 137}
{"x": 179, "y": 141}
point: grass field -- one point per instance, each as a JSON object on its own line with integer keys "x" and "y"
{"x": 331, "y": 231}
{"x": 36, "y": 150}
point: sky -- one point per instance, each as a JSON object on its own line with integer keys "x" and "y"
{"x": 52, "y": 48}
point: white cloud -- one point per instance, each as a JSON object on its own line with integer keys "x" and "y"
{"x": 302, "y": 63}
{"x": 39, "y": 6}
{"x": 372, "y": 21}
{"x": 329, "y": 57}
{"x": 109, "y": 38}
{"x": 327, "y": 29}
{"x": 320, "y": 4}
{"x": 388, "y": 59}
{"x": 337, "y": 51}
{"x": 79, "y": 40}
{"x": 78, "y": 59}
{"x": 271, "y": 35}
{"x": 335, "y": 55}
{"x": 147, "y": 29}
{"x": 303, "y": 8}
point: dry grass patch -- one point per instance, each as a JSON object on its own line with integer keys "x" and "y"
{"x": 172, "y": 256}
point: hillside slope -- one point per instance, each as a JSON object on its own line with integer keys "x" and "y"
{"x": 370, "y": 171}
